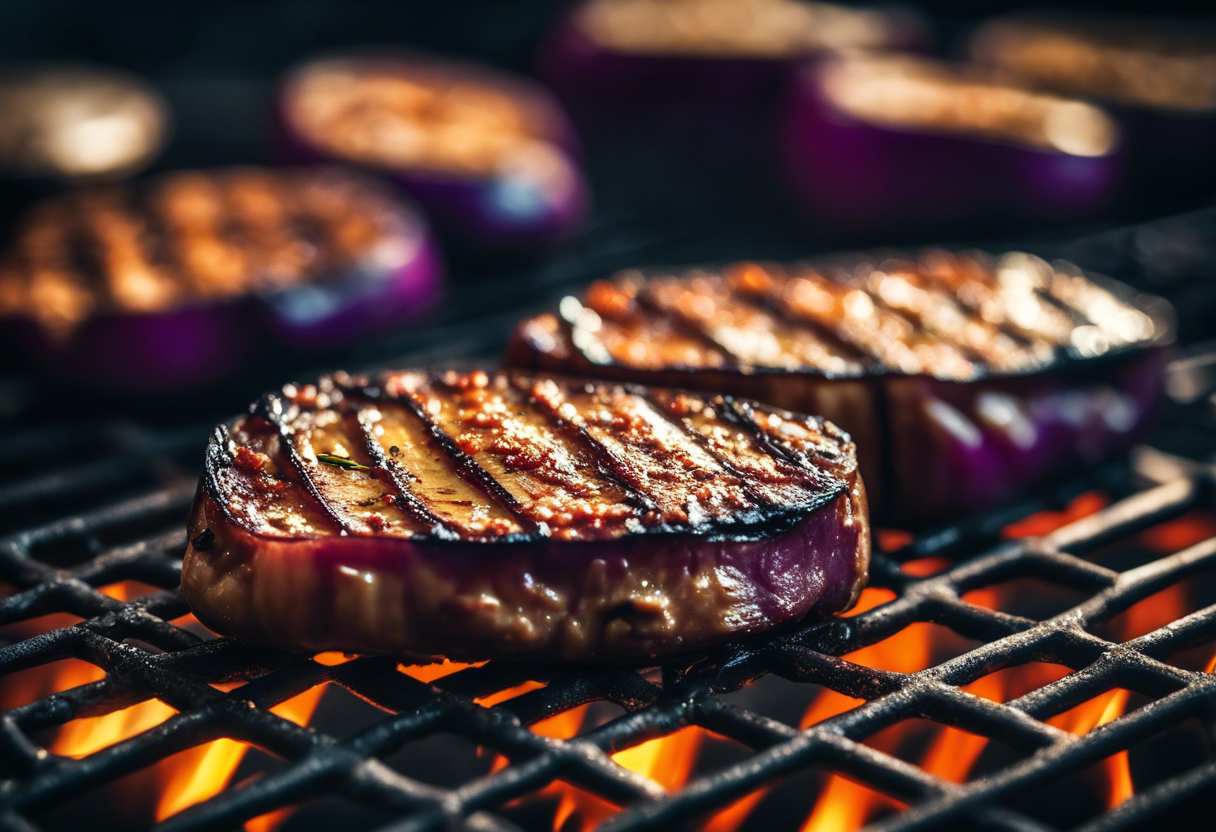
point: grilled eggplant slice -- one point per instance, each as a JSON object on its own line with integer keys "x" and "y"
{"x": 900, "y": 142}
{"x": 481, "y": 516}
{"x": 490, "y": 156}
{"x": 1157, "y": 76}
{"x": 160, "y": 284}
{"x": 964, "y": 379}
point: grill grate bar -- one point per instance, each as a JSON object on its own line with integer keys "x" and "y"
{"x": 61, "y": 566}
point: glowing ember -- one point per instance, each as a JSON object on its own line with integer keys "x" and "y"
{"x": 184, "y": 779}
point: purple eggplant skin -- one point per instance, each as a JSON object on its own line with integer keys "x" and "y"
{"x": 712, "y": 108}
{"x": 594, "y": 80}
{"x": 499, "y": 214}
{"x": 201, "y": 343}
{"x": 930, "y": 449}
{"x": 339, "y": 310}
{"x": 855, "y": 176}
{"x": 142, "y": 354}
{"x": 812, "y": 571}
{"x": 959, "y": 448}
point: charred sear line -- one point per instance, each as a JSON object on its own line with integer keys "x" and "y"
{"x": 397, "y": 477}
{"x": 760, "y": 500}
{"x": 744, "y": 414}
{"x": 771, "y": 302}
{"x": 607, "y": 463}
{"x": 467, "y": 467}
{"x": 271, "y": 408}
{"x": 687, "y": 325}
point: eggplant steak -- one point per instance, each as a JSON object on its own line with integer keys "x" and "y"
{"x": 479, "y": 516}
{"x": 963, "y": 378}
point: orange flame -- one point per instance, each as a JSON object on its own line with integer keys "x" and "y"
{"x": 668, "y": 761}
{"x": 184, "y": 779}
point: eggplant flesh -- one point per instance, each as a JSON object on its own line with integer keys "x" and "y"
{"x": 479, "y": 516}
{"x": 964, "y": 379}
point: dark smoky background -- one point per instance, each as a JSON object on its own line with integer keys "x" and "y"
{"x": 217, "y": 65}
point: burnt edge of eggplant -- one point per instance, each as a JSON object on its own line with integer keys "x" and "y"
{"x": 755, "y": 525}
{"x": 1066, "y": 360}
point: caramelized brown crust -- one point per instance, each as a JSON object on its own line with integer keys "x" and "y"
{"x": 1132, "y": 61}
{"x": 512, "y": 458}
{"x": 949, "y": 316}
{"x": 190, "y": 237}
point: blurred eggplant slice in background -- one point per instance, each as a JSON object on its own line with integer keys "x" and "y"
{"x": 491, "y": 157}
{"x": 697, "y": 83}
{"x": 964, "y": 379}
{"x": 1156, "y": 75}
{"x": 78, "y": 122}
{"x": 172, "y": 281}
{"x": 653, "y": 54}
{"x": 480, "y": 516}
{"x": 901, "y": 142}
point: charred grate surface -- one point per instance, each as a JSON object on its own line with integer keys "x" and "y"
{"x": 59, "y": 567}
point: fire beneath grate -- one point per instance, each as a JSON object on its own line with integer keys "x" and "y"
{"x": 1046, "y": 666}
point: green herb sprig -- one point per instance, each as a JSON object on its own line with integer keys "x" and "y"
{"x": 341, "y": 462}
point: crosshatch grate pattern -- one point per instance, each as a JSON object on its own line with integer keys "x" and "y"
{"x": 58, "y": 567}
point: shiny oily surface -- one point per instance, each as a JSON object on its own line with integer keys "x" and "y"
{"x": 732, "y": 28}
{"x": 952, "y": 316}
{"x": 193, "y": 237}
{"x": 922, "y": 95}
{"x": 463, "y": 457}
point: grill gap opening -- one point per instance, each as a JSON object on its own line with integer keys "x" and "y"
{"x": 1028, "y": 597}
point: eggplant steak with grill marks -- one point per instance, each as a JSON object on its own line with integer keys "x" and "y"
{"x": 481, "y": 516}
{"x": 963, "y": 378}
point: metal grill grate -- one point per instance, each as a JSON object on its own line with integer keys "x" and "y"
{"x": 103, "y": 502}
{"x": 57, "y": 567}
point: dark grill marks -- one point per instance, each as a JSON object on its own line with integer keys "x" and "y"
{"x": 546, "y": 396}
{"x": 271, "y": 408}
{"x": 465, "y": 465}
{"x": 625, "y": 331}
{"x": 550, "y": 473}
{"x": 745, "y": 328}
{"x": 766, "y": 479}
{"x": 475, "y": 457}
{"x": 956, "y": 317}
{"x": 399, "y": 478}
{"x": 657, "y": 457}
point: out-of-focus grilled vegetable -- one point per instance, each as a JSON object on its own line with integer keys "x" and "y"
{"x": 169, "y": 282}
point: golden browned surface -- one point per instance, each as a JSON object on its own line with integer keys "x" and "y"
{"x": 188, "y": 237}
{"x": 475, "y": 456}
{"x": 416, "y": 114}
{"x": 483, "y": 516}
{"x": 732, "y": 28}
{"x": 953, "y": 316}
